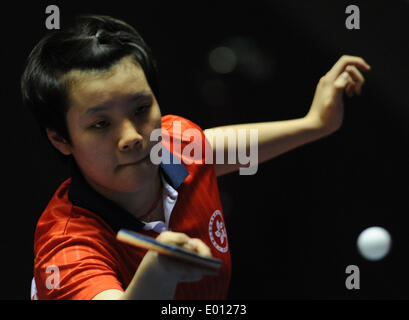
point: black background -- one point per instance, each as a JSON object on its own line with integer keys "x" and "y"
{"x": 293, "y": 226}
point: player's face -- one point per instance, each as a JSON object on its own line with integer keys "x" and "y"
{"x": 110, "y": 119}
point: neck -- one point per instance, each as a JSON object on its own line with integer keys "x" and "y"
{"x": 137, "y": 203}
{"x": 140, "y": 203}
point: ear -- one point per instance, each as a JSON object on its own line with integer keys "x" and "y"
{"x": 59, "y": 142}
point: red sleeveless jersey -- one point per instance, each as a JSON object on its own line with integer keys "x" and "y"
{"x": 76, "y": 252}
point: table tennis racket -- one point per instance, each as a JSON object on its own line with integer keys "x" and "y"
{"x": 175, "y": 251}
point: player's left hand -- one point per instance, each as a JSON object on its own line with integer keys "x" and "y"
{"x": 327, "y": 109}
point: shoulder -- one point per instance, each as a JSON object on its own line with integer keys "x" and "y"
{"x": 186, "y": 140}
{"x": 55, "y": 216}
{"x": 62, "y": 222}
{"x": 182, "y": 131}
{"x": 172, "y": 122}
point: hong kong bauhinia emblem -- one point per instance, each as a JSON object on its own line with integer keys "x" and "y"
{"x": 217, "y": 232}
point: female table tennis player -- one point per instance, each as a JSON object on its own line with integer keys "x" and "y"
{"x": 92, "y": 89}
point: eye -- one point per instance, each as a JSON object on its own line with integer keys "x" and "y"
{"x": 100, "y": 125}
{"x": 142, "y": 109}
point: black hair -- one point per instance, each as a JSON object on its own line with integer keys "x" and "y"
{"x": 91, "y": 43}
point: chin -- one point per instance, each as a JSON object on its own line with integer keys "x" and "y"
{"x": 133, "y": 179}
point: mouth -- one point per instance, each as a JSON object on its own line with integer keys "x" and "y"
{"x": 134, "y": 163}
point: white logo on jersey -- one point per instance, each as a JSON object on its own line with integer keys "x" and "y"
{"x": 217, "y": 232}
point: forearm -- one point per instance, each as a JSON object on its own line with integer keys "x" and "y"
{"x": 278, "y": 137}
{"x": 272, "y": 138}
{"x": 150, "y": 283}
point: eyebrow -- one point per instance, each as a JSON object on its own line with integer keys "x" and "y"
{"x": 104, "y": 106}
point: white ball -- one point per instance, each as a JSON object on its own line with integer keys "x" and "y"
{"x": 374, "y": 243}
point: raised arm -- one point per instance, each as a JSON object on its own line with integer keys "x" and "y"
{"x": 324, "y": 117}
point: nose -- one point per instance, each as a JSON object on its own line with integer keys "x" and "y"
{"x": 129, "y": 138}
